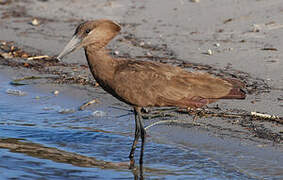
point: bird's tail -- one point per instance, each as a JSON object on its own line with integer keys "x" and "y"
{"x": 237, "y": 91}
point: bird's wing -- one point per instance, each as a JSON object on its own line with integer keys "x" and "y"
{"x": 154, "y": 84}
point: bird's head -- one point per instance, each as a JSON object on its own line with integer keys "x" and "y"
{"x": 97, "y": 33}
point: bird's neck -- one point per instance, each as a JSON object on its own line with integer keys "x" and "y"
{"x": 101, "y": 64}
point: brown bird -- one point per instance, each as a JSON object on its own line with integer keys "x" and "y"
{"x": 145, "y": 84}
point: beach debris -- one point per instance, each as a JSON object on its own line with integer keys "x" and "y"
{"x": 28, "y": 78}
{"x": 149, "y": 54}
{"x": 82, "y": 107}
{"x": 56, "y": 92}
{"x": 98, "y": 113}
{"x": 253, "y": 115}
{"x": 269, "y": 49}
{"x": 116, "y": 52}
{"x": 169, "y": 122}
{"x": 10, "y": 51}
{"x": 17, "y": 82}
{"x": 6, "y": 55}
{"x": 66, "y": 111}
{"x": 273, "y": 60}
{"x": 217, "y": 45}
{"x": 255, "y": 28}
{"x": 48, "y": 108}
{"x": 227, "y": 20}
{"x": 16, "y": 92}
{"x": 262, "y": 115}
{"x": 35, "y": 22}
{"x": 208, "y": 52}
{"x": 38, "y": 57}
{"x": 5, "y": 2}
{"x": 24, "y": 55}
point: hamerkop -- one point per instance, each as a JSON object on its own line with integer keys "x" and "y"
{"x": 145, "y": 84}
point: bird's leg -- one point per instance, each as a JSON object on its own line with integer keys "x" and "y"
{"x": 142, "y": 132}
{"x": 137, "y": 135}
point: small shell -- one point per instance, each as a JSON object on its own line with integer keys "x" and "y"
{"x": 148, "y": 54}
{"x": 209, "y": 52}
{"x": 217, "y": 45}
{"x": 34, "y": 22}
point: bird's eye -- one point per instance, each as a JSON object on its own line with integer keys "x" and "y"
{"x": 87, "y": 31}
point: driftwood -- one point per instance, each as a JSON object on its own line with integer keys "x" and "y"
{"x": 37, "y": 57}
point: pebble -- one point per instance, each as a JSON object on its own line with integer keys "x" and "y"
{"x": 217, "y": 45}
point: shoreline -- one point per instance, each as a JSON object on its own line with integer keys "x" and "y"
{"x": 49, "y": 70}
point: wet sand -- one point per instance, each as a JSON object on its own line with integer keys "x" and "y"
{"x": 244, "y": 38}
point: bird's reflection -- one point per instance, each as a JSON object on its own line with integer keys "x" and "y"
{"x": 138, "y": 172}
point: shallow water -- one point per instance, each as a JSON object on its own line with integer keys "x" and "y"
{"x": 170, "y": 153}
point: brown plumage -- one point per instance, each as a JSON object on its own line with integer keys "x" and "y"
{"x": 146, "y": 84}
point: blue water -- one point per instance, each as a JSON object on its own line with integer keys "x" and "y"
{"x": 107, "y": 138}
